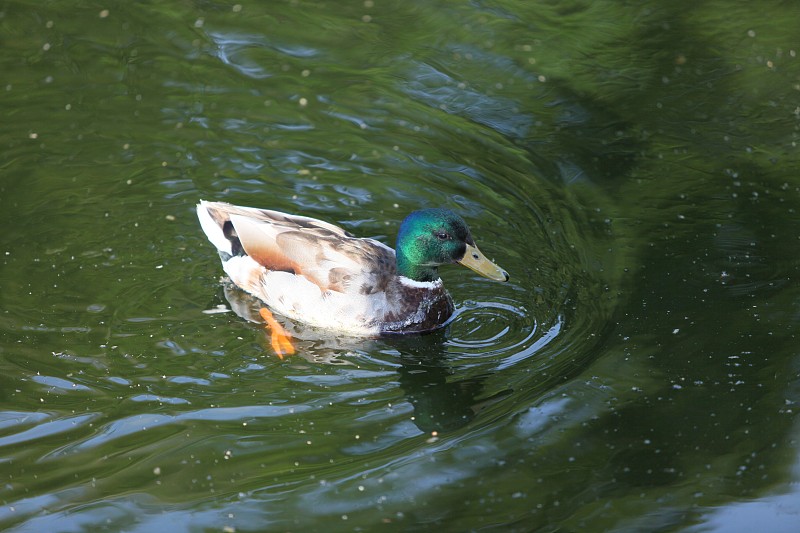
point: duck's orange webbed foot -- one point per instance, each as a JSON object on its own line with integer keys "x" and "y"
{"x": 280, "y": 339}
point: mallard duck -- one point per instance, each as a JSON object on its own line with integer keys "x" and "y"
{"x": 320, "y": 274}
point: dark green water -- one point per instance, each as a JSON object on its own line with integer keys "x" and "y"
{"x": 634, "y": 166}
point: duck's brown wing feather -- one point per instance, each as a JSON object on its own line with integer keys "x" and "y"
{"x": 325, "y": 254}
{"x": 222, "y": 211}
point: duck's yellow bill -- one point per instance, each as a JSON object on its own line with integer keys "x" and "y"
{"x": 475, "y": 260}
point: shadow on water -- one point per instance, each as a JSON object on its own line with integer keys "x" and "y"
{"x": 441, "y": 402}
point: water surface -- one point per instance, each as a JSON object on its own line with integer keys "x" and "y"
{"x": 633, "y": 167}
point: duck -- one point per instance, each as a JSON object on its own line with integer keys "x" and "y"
{"x": 317, "y": 273}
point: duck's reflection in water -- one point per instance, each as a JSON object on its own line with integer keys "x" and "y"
{"x": 441, "y": 401}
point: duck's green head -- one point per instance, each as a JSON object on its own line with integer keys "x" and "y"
{"x": 432, "y": 237}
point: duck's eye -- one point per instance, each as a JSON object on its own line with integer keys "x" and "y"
{"x": 442, "y": 235}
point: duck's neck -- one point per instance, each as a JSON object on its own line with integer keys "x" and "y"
{"x": 408, "y": 268}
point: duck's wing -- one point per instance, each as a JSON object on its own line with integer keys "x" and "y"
{"x": 325, "y": 254}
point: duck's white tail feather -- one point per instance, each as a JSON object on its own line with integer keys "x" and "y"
{"x": 212, "y": 230}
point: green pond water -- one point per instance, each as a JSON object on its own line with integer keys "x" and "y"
{"x": 633, "y": 166}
